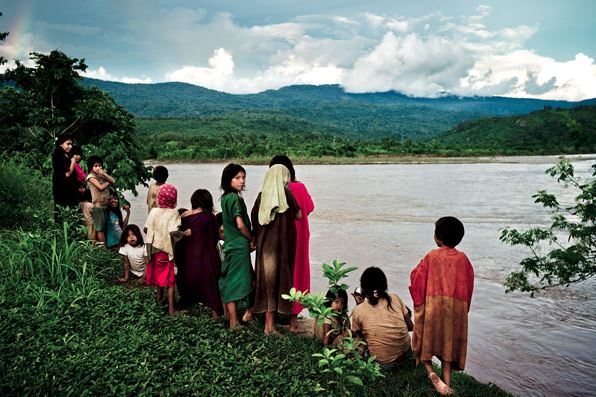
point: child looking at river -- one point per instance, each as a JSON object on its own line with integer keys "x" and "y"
{"x": 160, "y": 174}
{"x": 162, "y": 229}
{"x": 334, "y": 328}
{"x": 441, "y": 289}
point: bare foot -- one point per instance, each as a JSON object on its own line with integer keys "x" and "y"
{"x": 272, "y": 332}
{"x": 439, "y": 385}
{"x": 122, "y": 280}
{"x": 247, "y": 317}
{"x": 234, "y": 325}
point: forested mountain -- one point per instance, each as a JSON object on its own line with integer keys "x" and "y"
{"x": 549, "y": 130}
{"x": 326, "y": 108}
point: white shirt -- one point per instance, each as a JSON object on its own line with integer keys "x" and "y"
{"x": 136, "y": 258}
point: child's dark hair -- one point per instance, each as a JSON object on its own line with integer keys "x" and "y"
{"x": 374, "y": 286}
{"x": 219, "y": 219}
{"x": 284, "y": 160}
{"x": 76, "y": 149}
{"x": 202, "y": 198}
{"x": 92, "y": 160}
{"x": 116, "y": 210}
{"x": 227, "y": 175}
{"x": 342, "y": 295}
{"x": 449, "y": 230}
{"x": 160, "y": 174}
{"x": 136, "y": 231}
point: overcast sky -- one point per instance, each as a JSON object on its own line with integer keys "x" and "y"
{"x": 522, "y": 48}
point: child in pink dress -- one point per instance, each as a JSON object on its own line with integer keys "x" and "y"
{"x": 162, "y": 228}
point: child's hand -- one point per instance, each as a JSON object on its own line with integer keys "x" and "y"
{"x": 126, "y": 208}
{"x": 187, "y": 232}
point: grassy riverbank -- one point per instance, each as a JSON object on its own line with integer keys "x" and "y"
{"x": 89, "y": 336}
{"x": 67, "y": 328}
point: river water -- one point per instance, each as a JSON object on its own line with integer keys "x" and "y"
{"x": 383, "y": 215}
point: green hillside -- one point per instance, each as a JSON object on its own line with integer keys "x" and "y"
{"x": 328, "y": 107}
{"x": 549, "y": 131}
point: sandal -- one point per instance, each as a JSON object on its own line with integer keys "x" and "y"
{"x": 439, "y": 385}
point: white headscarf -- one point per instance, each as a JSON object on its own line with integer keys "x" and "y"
{"x": 273, "y": 195}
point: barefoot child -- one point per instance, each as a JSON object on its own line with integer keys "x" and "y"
{"x": 134, "y": 252}
{"x": 441, "y": 288}
{"x": 162, "y": 228}
{"x": 235, "y": 282}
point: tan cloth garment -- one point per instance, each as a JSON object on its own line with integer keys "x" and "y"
{"x": 273, "y": 196}
{"x": 99, "y": 198}
{"x": 384, "y": 330}
{"x": 160, "y": 223}
{"x": 152, "y": 196}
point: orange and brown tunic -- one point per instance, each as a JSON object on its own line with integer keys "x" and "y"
{"x": 441, "y": 289}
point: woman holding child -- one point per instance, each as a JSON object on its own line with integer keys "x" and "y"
{"x": 273, "y": 216}
{"x": 64, "y": 177}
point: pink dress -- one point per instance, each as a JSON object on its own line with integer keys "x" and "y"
{"x": 302, "y": 261}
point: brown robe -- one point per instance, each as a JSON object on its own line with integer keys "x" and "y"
{"x": 276, "y": 250}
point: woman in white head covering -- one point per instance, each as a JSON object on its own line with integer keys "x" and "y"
{"x": 273, "y": 216}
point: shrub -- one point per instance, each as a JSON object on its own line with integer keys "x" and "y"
{"x": 25, "y": 197}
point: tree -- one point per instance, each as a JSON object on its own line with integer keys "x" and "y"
{"x": 47, "y": 100}
{"x": 569, "y": 242}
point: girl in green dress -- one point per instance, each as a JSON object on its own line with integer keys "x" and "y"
{"x": 235, "y": 283}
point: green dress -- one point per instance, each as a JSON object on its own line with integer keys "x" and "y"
{"x": 235, "y": 283}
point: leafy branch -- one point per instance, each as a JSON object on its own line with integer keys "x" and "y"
{"x": 564, "y": 252}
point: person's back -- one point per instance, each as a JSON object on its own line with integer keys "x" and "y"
{"x": 441, "y": 289}
{"x": 384, "y": 329}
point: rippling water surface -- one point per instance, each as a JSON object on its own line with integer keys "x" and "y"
{"x": 383, "y": 215}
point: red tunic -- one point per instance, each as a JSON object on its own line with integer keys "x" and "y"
{"x": 441, "y": 288}
{"x": 302, "y": 261}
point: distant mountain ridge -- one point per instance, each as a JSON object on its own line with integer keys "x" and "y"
{"x": 366, "y": 115}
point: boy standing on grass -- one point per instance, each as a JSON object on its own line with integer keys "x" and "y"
{"x": 98, "y": 182}
{"x": 160, "y": 174}
{"x": 441, "y": 288}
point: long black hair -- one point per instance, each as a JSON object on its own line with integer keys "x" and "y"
{"x": 374, "y": 286}
{"x": 201, "y": 198}
{"x": 227, "y": 175}
{"x": 284, "y": 160}
{"x": 116, "y": 210}
{"x": 136, "y": 231}
{"x": 60, "y": 139}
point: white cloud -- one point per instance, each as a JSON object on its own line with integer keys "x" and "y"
{"x": 102, "y": 74}
{"x": 422, "y": 56}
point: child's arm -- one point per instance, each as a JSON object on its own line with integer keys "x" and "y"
{"x": 126, "y": 209}
{"x": 109, "y": 178}
{"x": 126, "y": 270}
{"x": 326, "y": 330}
{"x": 99, "y": 186}
{"x": 243, "y": 229}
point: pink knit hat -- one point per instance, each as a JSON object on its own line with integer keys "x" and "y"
{"x": 167, "y": 196}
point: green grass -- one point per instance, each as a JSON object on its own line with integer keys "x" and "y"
{"x": 69, "y": 331}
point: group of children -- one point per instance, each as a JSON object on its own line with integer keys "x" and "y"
{"x": 441, "y": 284}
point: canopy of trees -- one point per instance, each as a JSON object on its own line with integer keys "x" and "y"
{"x": 39, "y": 103}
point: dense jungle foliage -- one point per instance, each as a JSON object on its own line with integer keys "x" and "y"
{"x": 258, "y": 135}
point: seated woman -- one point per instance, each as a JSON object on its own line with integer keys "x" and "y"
{"x": 382, "y": 319}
